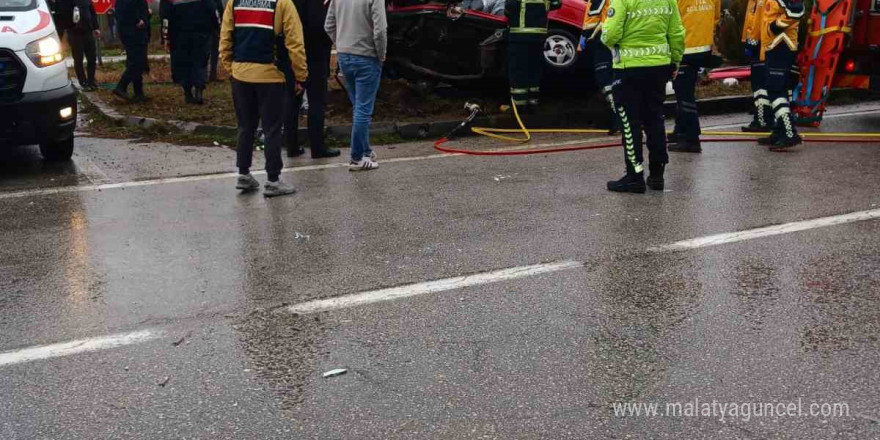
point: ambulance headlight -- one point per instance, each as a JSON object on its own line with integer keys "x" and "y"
{"x": 45, "y": 52}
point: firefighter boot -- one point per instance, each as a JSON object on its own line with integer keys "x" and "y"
{"x": 763, "y": 120}
{"x": 655, "y": 179}
{"x": 630, "y": 183}
{"x": 786, "y": 134}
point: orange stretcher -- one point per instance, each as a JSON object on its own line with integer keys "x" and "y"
{"x": 829, "y": 28}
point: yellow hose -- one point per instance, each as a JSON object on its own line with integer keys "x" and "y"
{"x": 494, "y": 133}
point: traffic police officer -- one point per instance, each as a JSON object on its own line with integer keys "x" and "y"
{"x": 751, "y": 38}
{"x": 599, "y": 54}
{"x": 646, "y": 39}
{"x": 779, "y": 43}
{"x": 187, "y": 26}
{"x": 700, "y": 19}
{"x": 525, "y": 48}
{"x": 258, "y": 40}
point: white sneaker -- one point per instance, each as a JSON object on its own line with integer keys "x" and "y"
{"x": 365, "y": 164}
{"x": 373, "y": 156}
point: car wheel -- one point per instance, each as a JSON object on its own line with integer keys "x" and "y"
{"x": 560, "y": 50}
{"x": 57, "y": 151}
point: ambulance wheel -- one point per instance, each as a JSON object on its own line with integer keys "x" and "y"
{"x": 57, "y": 151}
{"x": 560, "y": 50}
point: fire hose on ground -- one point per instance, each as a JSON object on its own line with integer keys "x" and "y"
{"x": 504, "y": 134}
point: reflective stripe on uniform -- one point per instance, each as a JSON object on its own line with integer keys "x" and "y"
{"x": 648, "y": 12}
{"x": 662, "y": 49}
{"x": 528, "y": 30}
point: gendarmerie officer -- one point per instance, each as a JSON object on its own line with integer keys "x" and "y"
{"x": 258, "y": 40}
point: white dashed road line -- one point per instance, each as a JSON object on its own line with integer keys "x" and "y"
{"x": 769, "y": 231}
{"x": 435, "y": 286}
{"x": 75, "y": 347}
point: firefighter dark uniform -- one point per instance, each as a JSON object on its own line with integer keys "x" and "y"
{"x": 779, "y": 43}
{"x": 187, "y": 26}
{"x": 700, "y": 19}
{"x": 751, "y": 38}
{"x": 259, "y": 39}
{"x": 525, "y": 48}
{"x": 599, "y": 54}
{"x": 646, "y": 39}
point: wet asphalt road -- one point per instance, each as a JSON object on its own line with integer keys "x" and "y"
{"x": 779, "y": 319}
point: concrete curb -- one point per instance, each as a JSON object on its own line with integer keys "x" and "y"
{"x": 422, "y": 130}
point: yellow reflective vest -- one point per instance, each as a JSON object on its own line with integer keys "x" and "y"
{"x": 780, "y": 19}
{"x": 594, "y": 17}
{"x": 700, "y": 18}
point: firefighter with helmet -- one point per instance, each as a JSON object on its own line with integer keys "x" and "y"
{"x": 527, "y": 31}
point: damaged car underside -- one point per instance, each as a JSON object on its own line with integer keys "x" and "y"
{"x": 440, "y": 42}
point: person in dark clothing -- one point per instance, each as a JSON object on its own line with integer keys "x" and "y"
{"x": 62, "y": 12}
{"x": 525, "y": 47}
{"x": 215, "y": 45}
{"x": 312, "y": 14}
{"x": 188, "y": 26}
{"x": 133, "y": 20}
{"x": 81, "y": 37}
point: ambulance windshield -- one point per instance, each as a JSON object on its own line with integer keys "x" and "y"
{"x": 17, "y": 5}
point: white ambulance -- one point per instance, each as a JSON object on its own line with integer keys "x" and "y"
{"x": 37, "y": 100}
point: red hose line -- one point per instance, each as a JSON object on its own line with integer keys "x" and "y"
{"x": 438, "y": 145}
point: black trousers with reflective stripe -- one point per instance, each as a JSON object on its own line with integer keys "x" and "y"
{"x": 779, "y": 62}
{"x": 525, "y": 63}
{"x": 639, "y": 94}
{"x": 687, "y": 119}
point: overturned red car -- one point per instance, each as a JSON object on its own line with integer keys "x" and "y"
{"x": 437, "y": 41}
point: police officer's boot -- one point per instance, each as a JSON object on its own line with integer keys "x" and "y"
{"x": 199, "y": 95}
{"x": 630, "y": 183}
{"x": 655, "y": 179}
{"x": 786, "y": 134}
{"x": 188, "y": 95}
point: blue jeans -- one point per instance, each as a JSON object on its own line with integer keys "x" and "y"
{"x": 362, "y": 76}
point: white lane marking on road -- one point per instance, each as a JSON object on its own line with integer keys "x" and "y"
{"x": 410, "y": 290}
{"x": 75, "y": 347}
{"x": 769, "y": 231}
{"x": 202, "y": 177}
